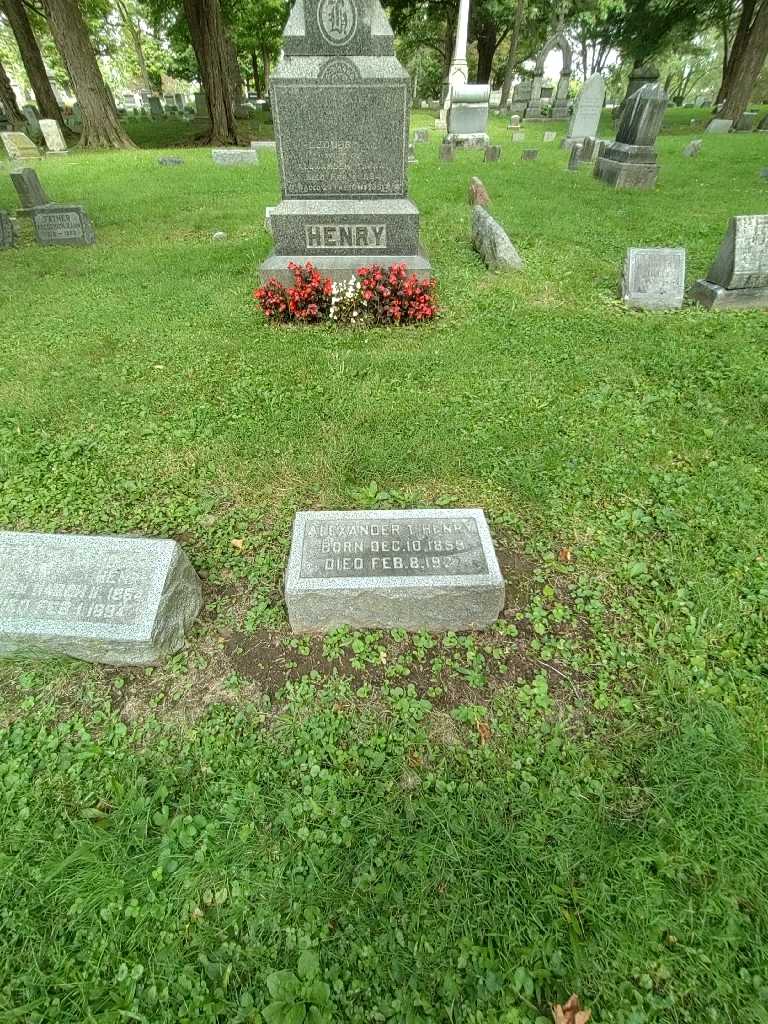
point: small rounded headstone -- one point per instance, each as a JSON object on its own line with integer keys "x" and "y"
{"x": 219, "y": 236}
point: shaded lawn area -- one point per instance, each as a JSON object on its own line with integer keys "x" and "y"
{"x": 458, "y": 828}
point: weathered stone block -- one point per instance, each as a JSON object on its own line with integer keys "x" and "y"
{"x": 19, "y": 146}
{"x": 491, "y": 241}
{"x": 116, "y": 600}
{"x": 747, "y": 121}
{"x": 62, "y": 225}
{"x": 414, "y": 569}
{"x": 478, "y": 194}
{"x": 654, "y": 278}
{"x": 574, "y": 159}
{"x": 625, "y": 175}
{"x": 712, "y": 296}
{"x": 447, "y": 151}
{"x": 492, "y": 154}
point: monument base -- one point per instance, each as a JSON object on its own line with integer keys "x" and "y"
{"x": 713, "y": 296}
{"x": 619, "y": 174}
{"x": 341, "y": 268}
{"x": 472, "y": 140}
{"x": 560, "y": 113}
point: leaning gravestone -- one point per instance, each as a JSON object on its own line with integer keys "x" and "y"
{"x": 413, "y": 569}
{"x": 29, "y": 190}
{"x": 574, "y": 160}
{"x": 62, "y": 225}
{"x": 231, "y": 157}
{"x": 738, "y": 278}
{"x": 19, "y": 146}
{"x": 747, "y": 121}
{"x": 630, "y": 161}
{"x": 341, "y": 101}
{"x": 32, "y": 118}
{"x": 111, "y": 600}
{"x": 9, "y": 232}
{"x": 719, "y": 126}
{"x": 654, "y": 278}
{"x": 54, "y": 139}
{"x": 492, "y": 242}
{"x": 585, "y": 119}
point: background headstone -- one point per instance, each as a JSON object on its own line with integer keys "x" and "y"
{"x": 654, "y": 278}
{"x": 52, "y": 134}
{"x": 8, "y": 231}
{"x": 763, "y": 125}
{"x": 62, "y": 225}
{"x": 406, "y": 569}
{"x": 514, "y": 121}
{"x": 421, "y": 135}
{"x": 447, "y": 151}
{"x": 492, "y": 154}
{"x": 29, "y": 190}
{"x": 719, "y": 126}
{"x": 19, "y": 146}
{"x": 530, "y": 154}
{"x": 693, "y": 148}
{"x": 111, "y": 600}
{"x": 155, "y": 107}
{"x": 574, "y": 159}
{"x": 746, "y": 122}
{"x": 630, "y": 161}
{"x": 468, "y": 116}
{"x": 550, "y": 136}
{"x": 170, "y": 161}
{"x": 32, "y": 117}
{"x": 230, "y": 157}
{"x": 518, "y": 136}
{"x": 585, "y": 119}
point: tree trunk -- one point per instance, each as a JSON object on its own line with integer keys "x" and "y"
{"x": 8, "y": 102}
{"x": 265, "y": 60}
{"x": 206, "y": 29}
{"x": 101, "y": 125}
{"x": 744, "y": 70}
{"x": 256, "y": 75}
{"x": 509, "y": 72}
{"x": 737, "y": 47}
{"x": 486, "y": 48}
{"x": 135, "y": 35}
{"x": 33, "y": 62}
{"x": 235, "y": 77}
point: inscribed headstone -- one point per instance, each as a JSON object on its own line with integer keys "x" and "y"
{"x": 53, "y": 136}
{"x": 62, "y": 225}
{"x": 654, "y": 278}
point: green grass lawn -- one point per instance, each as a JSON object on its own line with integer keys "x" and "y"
{"x": 420, "y": 829}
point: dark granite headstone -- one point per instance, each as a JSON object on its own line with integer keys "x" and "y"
{"x": 447, "y": 151}
{"x": 574, "y": 159}
{"x": 341, "y": 106}
{"x": 747, "y": 121}
{"x": 492, "y": 154}
{"x": 630, "y": 161}
{"x": 530, "y": 154}
{"x": 29, "y": 190}
{"x": 8, "y": 231}
{"x": 62, "y": 225}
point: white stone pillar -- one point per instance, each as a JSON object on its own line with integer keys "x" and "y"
{"x": 458, "y": 74}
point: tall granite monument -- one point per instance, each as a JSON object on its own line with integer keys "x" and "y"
{"x": 630, "y": 161}
{"x": 341, "y": 102}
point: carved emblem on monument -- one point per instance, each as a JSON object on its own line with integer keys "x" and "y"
{"x": 339, "y": 69}
{"x": 337, "y": 21}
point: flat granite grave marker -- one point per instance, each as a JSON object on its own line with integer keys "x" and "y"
{"x": 738, "y": 278}
{"x": 414, "y": 569}
{"x": 550, "y": 136}
{"x": 54, "y": 139}
{"x": 654, "y": 278}
{"x": 62, "y": 225}
{"x": 19, "y": 146}
{"x": 29, "y": 190}
{"x": 116, "y": 600}
{"x": 231, "y": 157}
{"x": 9, "y": 231}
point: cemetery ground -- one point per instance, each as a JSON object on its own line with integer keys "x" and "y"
{"x": 456, "y": 828}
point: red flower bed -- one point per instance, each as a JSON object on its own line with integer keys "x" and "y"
{"x": 375, "y": 295}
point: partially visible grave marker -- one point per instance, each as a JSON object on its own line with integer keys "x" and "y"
{"x": 230, "y": 157}
{"x": 111, "y": 600}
